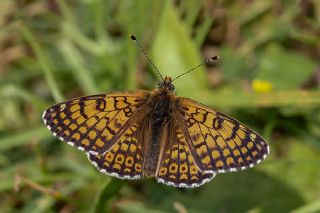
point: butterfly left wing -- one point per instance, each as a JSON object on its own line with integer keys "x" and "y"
{"x": 124, "y": 159}
{"x": 218, "y": 142}
{"x": 94, "y": 123}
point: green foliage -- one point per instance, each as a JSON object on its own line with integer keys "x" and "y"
{"x": 55, "y": 50}
{"x": 173, "y": 39}
{"x": 285, "y": 70}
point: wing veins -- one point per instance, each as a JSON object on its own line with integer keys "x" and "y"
{"x": 246, "y": 135}
{"x": 113, "y": 140}
{"x": 82, "y": 124}
{"x": 237, "y": 145}
{"x": 212, "y": 160}
{"x": 96, "y": 97}
{"x": 186, "y": 134}
{"x": 100, "y": 131}
{"x": 75, "y": 119}
{"x": 169, "y": 160}
{"x": 220, "y": 151}
{"x": 131, "y": 136}
{"x": 122, "y": 130}
{"x": 233, "y": 156}
{"x": 211, "y": 130}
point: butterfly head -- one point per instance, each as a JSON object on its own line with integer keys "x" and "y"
{"x": 166, "y": 84}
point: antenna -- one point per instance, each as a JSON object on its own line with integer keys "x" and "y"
{"x": 134, "y": 39}
{"x": 203, "y": 63}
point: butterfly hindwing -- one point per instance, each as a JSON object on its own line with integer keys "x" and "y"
{"x": 177, "y": 166}
{"x": 124, "y": 159}
{"x": 94, "y": 123}
{"x": 219, "y": 142}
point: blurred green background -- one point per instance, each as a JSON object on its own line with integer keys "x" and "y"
{"x": 268, "y": 77}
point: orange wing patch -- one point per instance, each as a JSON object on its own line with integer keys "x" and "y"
{"x": 125, "y": 157}
{"x": 218, "y": 142}
{"x": 177, "y": 166}
{"x": 94, "y": 123}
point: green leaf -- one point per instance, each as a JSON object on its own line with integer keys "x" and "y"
{"x": 174, "y": 52}
{"x": 83, "y": 75}
{"x": 233, "y": 192}
{"x": 284, "y": 69}
{"x": 23, "y": 138}
{"x": 44, "y": 62}
{"x": 254, "y": 99}
{"x": 233, "y": 64}
{"x": 309, "y": 208}
{"x": 109, "y": 191}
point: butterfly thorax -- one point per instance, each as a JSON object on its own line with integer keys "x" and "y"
{"x": 159, "y": 116}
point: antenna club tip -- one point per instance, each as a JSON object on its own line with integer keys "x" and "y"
{"x": 215, "y": 58}
{"x": 133, "y": 38}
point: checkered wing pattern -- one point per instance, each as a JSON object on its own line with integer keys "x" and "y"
{"x": 94, "y": 123}
{"x": 177, "y": 166}
{"x": 124, "y": 159}
{"x": 218, "y": 142}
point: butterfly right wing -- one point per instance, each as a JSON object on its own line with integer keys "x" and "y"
{"x": 94, "y": 123}
{"x": 218, "y": 142}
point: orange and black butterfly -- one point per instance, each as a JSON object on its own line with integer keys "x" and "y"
{"x": 135, "y": 134}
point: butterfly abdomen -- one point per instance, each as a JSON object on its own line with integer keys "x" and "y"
{"x": 159, "y": 116}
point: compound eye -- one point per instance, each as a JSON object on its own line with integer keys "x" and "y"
{"x": 160, "y": 84}
{"x": 172, "y": 87}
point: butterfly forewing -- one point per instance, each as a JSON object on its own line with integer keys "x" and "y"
{"x": 218, "y": 142}
{"x": 94, "y": 123}
{"x": 177, "y": 166}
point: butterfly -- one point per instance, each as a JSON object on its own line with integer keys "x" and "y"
{"x": 139, "y": 133}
